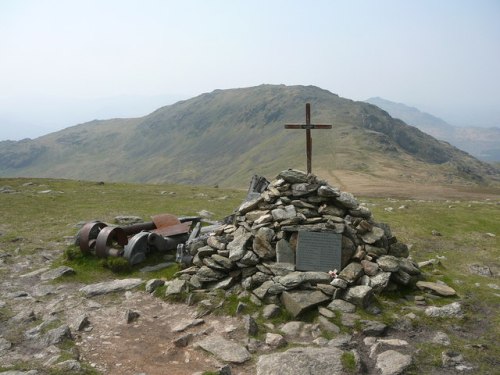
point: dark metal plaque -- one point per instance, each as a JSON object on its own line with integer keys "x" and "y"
{"x": 319, "y": 251}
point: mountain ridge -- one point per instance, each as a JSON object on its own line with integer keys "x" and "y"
{"x": 480, "y": 142}
{"x": 225, "y": 136}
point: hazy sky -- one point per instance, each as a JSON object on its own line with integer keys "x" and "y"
{"x": 64, "y": 62}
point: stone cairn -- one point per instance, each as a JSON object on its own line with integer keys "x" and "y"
{"x": 256, "y": 252}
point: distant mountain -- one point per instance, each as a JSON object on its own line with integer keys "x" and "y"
{"x": 483, "y": 143}
{"x": 226, "y": 136}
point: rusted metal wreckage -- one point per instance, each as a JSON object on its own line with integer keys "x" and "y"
{"x": 135, "y": 241}
{"x": 164, "y": 233}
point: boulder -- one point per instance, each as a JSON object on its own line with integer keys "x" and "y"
{"x": 300, "y": 361}
{"x": 298, "y": 301}
{"x": 224, "y": 350}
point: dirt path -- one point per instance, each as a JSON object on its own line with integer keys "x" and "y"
{"x": 147, "y": 344}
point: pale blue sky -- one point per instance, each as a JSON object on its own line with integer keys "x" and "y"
{"x": 64, "y": 62}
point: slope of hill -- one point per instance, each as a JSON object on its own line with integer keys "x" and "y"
{"x": 482, "y": 143}
{"x": 226, "y": 136}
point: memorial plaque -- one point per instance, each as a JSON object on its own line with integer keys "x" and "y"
{"x": 319, "y": 251}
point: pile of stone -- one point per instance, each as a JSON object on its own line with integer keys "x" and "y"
{"x": 256, "y": 252}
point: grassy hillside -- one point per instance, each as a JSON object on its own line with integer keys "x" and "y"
{"x": 225, "y": 136}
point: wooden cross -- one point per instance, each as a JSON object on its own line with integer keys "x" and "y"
{"x": 308, "y": 126}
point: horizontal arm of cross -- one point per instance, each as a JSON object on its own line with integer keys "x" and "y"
{"x": 305, "y": 126}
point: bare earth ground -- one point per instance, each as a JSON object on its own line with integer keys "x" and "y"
{"x": 146, "y": 345}
{"x": 366, "y": 185}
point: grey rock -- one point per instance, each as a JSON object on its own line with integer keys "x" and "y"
{"x": 294, "y": 279}
{"x": 223, "y": 284}
{"x": 304, "y": 188}
{"x": 153, "y": 284}
{"x": 255, "y": 215}
{"x": 327, "y": 313}
{"x": 293, "y": 176}
{"x": 131, "y": 316}
{"x": 4, "y": 344}
{"x": 24, "y": 316}
{"x": 388, "y": 263}
{"x": 327, "y": 325}
{"x": 176, "y": 286}
{"x": 262, "y": 243}
{"x": 280, "y": 269}
{"x": 342, "y": 306}
{"x": 441, "y": 338}
{"x": 183, "y": 341}
{"x": 225, "y": 350}
{"x": 409, "y": 266}
{"x": 392, "y": 362}
{"x": 328, "y": 191}
{"x": 347, "y": 200}
{"x": 327, "y": 289}
{"x": 440, "y": 289}
{"x": 186, "y": 324}
{"x": 451, "y": 358}
{"x": 225, "y": 370}
{"x": 361, "y": 211}
{"x": 399, "y": 250}
{"x": 206, "y": 274}
{"x": 339, "y": 283}
{"x": 375, "y": 251}
{"x": 206, "y": 251}
{"x": 331, "y": 212}
{"x": 360, "y": 295}
{"x": 195, "y": 282}
{"x": 373, "y": 328}
{"x": 351, "y": 273}
{"x": 453, "y": 310}
{"x": 81, "y": 322}
{"x": 57, "y": 273}
{"x": 480, "y": 270}
{"x": 341, "y": 341}
{"x": 271, "y": 311}
{"x": 227, "y": 263}
{"x": 156, "y": 267}
{"x": 237, "y": 247}
{"x": 292, "y": 328}
{"x": 285, "y": 213}
{"x": 71, "y": 365}
{"x": 264, "y": 219}
{"x": 57, "y": 335}
{"x": 261, "y": 291}
{"x": 110, "y": 287}
{"x": 211, "y": 263}
{"x": 369, "y": 268}
{"x": 215, "y": 243}
{"x": 249, "y": 259}
{"x": 250, "y": 205}
{"x": 402, "y": 278}
{"x": 298, "y": 301}
{"x": 275, "y": 340}
{"x": 380, "y": 281}
{"x": 373, "y": 236}
{"x": 300, "y": 361}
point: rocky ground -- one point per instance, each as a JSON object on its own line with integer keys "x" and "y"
{"x": 118, "y": 328}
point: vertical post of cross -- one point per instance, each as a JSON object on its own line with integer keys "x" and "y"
{"x": 308, "y": 126}
{"x": 308, "y": 138}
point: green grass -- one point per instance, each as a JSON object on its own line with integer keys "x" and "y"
{"x": 34, "y": 222}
